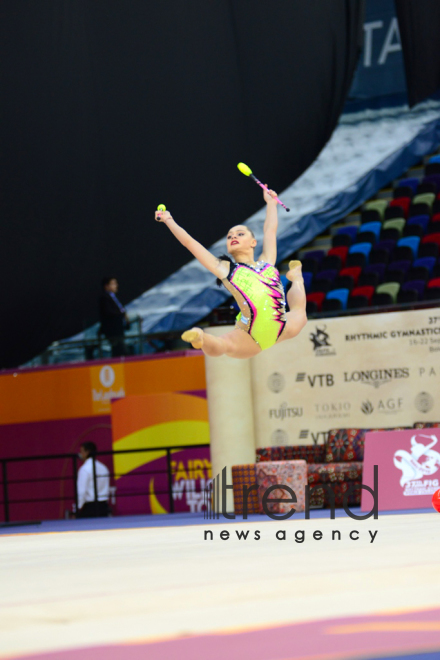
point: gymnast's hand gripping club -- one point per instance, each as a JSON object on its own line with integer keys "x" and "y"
{"x": 244, "y": 169}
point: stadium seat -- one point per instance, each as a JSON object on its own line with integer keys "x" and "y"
{"x": 373, "y": 227}
{"x": 331, "y": 305}
{"x": 402, "y": 203}
{"x": 403, "y": 253}
{"x": 415, "y": 285}
{"x": 432, "y": 168}
{"x": 397, "y": 270}
{"x": 427, "y": 187}
{"x": 402, "y": 191}
{"x": 424, "y": 198}
{"x": 370, "y": 215}
{"x": 434, "y": 159}
{"x": 340, "y": 252}
{"x": 396, "y": 223}
{"x": 412, "y": 242}
{"x": 366, "y": 237}
{"x": 331, "y": 262}
{"x": 343, "y": 282}
{"x": 376, "y": 269}
{"x": 428, "y": 250}
{"x": 355, "y": 260}
{"x": 435, "y": 217}
{"x": 434, "y": 283}
{"x": 324, "y": 280}
{"x": 381, "y": 299}
{"x": 340, "y": 240}
{"x": 390, "y": 288}
{"x": 432, "y": 238}
{"x": 433, "y": 178}
{"x": 421, "y": 208}
{"x": 376, "y": 205}
{"x": 413, "y": 230}
{"x": 426, "y": 262}
{"x": 310, "y": 265}
{"x": 432, "y": 293}
{"x": 350, "y": 230}
{"x": 390, "y": 234}
{"x": 363, "y": 248}
{"x": 357, "y": 302}
{"x": 353, "y": 272}
{"x": 380, "y": 255}
{"x": 339, "y": 294}
{"x": 317, "y": 298}
{"x": 308, "y": 277}
{"x": 407, "y": 296}
{"x": 311, "y": 308}
{"x": 422, "y": 220}
{"x": 365, "y": 291}
{"x": 411, "y": 183}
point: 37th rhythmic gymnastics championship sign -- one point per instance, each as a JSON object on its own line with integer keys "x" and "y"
{"x": 368, "y": 371}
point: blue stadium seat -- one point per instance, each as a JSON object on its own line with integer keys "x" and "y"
{"x": 425, "y": 262}
{"x": 434, "y": 159}
{"x": 363, "y": 248}
{"x": 339, "y": 294}
{"x": 422, "y": 220}
{"x": 410, "y": 241}
{"x": 308, "y": 280}
{"x": 351, "y": 231}
{"x": 374, "y": 227}
{"x": 411, "y": 183}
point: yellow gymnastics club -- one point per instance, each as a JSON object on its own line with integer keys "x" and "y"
{"x": 246, "y": 170}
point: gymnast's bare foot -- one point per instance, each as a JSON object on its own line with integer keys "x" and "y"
{"x": 194, "y": 337}
{"x": 294, "y": 272}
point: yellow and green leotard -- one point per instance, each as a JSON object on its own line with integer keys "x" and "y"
{"x": 259, "y": 294}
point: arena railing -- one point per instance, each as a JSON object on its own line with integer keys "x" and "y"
{"x": 6, "y": 502}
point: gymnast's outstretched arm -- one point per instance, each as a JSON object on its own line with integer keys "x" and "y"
{"x": 219, "y": 268}
{"x": 269, "y": 253}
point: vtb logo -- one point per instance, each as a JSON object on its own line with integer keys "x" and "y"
{"x": 322, "y": 380}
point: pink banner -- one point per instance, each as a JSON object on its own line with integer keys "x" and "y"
{"x": 408, "y": 468}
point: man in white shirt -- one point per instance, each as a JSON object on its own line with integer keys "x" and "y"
{"x": 91, "y": 505}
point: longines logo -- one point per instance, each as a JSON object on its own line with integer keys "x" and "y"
{"x": 322, "y": 380}
{"x": 424, "y": 402}
{"x": 285, "y": 411}
{"x": 384, "y": 406}
{"x": 276, "y": 382}
{"x": 376, "y": 377}
{"x": 337, "y": 410}
{"x": 321, "y": 341}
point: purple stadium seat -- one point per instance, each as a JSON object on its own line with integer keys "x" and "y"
{"x": 416, "y": 285}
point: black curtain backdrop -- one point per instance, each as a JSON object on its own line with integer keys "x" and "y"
{"x": 419, "y": 25}
{"x": 111, "y": 107}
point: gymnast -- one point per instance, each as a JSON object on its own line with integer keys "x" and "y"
{"x": 255, "y": 285}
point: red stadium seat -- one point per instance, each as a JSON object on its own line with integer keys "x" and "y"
{"x": 432, "y": 238}
{"x": 317, "y": 298}
{"x": 403, "y": 202}
{"x": 340, "y": 252}
{"x": 435, "y": 217}
{"x": 435, "y": 283}
{"x": 366, "y": 291}
{"x": 353, "y": 272}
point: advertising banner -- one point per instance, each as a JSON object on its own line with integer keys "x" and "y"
{"x": 408, "y": 468}
{"x": 367, "y": 371}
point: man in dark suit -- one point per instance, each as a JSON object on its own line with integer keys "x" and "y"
{"x": 113, "y": 316}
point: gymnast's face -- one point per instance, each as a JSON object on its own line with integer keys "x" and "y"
{"x": 240, "y": 239}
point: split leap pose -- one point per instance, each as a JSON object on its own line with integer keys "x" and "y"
{"x": 255, "y": 285}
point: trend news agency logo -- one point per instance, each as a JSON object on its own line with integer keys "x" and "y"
{"x": 215, "y": 496}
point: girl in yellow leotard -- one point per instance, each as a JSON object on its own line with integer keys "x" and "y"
{"x": 255, "y": 285}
